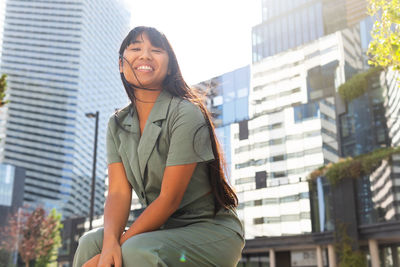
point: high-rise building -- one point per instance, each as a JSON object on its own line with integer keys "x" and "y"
{"x": 292, "y": 131}
{"x": 288, "y": 24}
{"x": 227, "y": 99}
{"x": 392, "y": 105}
{"x": 363, "y": 125}
{"x": 302, "y": 52}
{"x": 11, "y": 196}
{"x": 2, "y": 17}
{"x": 3, "y": 110}
{"x": 61, "y": 58}
{"x": 227, "y": 96}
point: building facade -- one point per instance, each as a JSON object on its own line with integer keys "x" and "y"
{"x": 292, "y": 131}
{"x": 61, "y": 59}
{"x": 301, "y": 55}
{"x": 11, "y": 190}
{"x": 289, "y": 24}
{"x": 227, "y": 99}
{"x": 392, "y": 105}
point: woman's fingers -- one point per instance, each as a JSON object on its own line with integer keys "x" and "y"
{"x": 92, "y": 262}
{"x": 118, "y": 259}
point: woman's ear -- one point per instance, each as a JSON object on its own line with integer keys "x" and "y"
{"x": 120, "y": 63}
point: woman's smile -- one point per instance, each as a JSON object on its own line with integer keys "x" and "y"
{"x": 145, "y": 68}
{"x": 149, "y": 64}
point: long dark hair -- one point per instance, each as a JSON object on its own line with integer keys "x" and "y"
{"x": 224, "y": 196}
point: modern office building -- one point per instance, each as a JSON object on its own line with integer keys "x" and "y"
{"x": 392, "y": 105}
{"x": 227, "y": 96}
{"x": 2, "y": 17}
{"x": 363, "y": 124}
{"x": 227, "y": 99}
{"x": 3, "y": 110}
{"x": 294, "y": 128}
{"x": 289, "y": 24}
{"x": 370, "y": 217}
{"x": 292, "y": 131}
{"x": 61, "y": 58}
{"x": 11, "y": 190}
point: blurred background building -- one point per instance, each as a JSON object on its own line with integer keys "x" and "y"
{"x": 302, "y": 52}
{"x": 289, "y": 24}
{"x": 62, "y": 62}
{"x": 11, "y": 190}
{"x": 227, "y": 98}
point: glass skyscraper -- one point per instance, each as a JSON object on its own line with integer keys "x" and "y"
{"x": 228, "y": 102}
{"x": 61, "y": 58}
{"x": 11, "y": 197}
{"x": 287, "y": 24}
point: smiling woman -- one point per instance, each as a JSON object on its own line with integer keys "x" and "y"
{"x": 163, "y": 146}
{"x": 148, "y": 65}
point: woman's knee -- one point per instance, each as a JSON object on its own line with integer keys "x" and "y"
{"x": 91, "y": 239}
{"x": 141, "y": 251}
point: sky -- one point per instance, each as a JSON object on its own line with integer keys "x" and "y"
{"x": 209, "y": 37}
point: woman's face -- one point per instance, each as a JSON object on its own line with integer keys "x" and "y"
{"x": 149, "y": 63}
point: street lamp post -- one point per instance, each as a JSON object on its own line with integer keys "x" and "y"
{"x": 93, "y": 115}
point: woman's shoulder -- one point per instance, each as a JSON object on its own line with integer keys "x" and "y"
{"x": 184, "y": 107}
{"x": 119, "y": 116}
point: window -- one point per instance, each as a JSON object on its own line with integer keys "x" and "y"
{"x": 276, "y": 141}
{"x": 261, "y": 179}
{"x": 258, "y": 220}
{"x": 278, "y": 174}
{"x": 278, "y": 158}
{"x": 243, "y": 130}
{"x": 306, "y": 111}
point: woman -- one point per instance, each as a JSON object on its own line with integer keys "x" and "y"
{"x": 163, "y": 145}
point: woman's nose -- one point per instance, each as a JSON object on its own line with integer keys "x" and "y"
{"x": 145, "y": 54}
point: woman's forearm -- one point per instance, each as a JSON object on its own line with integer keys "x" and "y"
{"x": 116, "y": 213}
{"x": 152, "y": 218}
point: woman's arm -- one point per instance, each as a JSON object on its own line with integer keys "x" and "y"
{"x": 116, "y": 210}
{"x": 174, "y": 184}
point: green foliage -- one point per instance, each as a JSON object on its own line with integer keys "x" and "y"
{"x": 347, "y": 256}
{"x": 3, "y": 88}
{"x": 384, "y": 49}
{"x": 50, "y": 240}
{"x": 34, "y": 235}
{"x": 357, "y": 85}
{"x": 354, "y": 167}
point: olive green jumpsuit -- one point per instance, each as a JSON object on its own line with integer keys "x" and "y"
{"x": 175, "y": 133}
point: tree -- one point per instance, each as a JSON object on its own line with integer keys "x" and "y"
{"x": 31, "y": 230}
{"x": 50, "y": 239}
{"x": 3, "y": 87}
{"x": 9, "y": 234}
{"x": 35, "y": 236}
{"x": 348, "y": 257}
{"x": 384, "y": 49}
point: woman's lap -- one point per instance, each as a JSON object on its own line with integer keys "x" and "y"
{"x": 199, "y": 244}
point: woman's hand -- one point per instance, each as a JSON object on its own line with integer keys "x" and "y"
{"x": 122, "y": 239}
{"x": 111, "y": 256}
{"x": 92, "y": 262}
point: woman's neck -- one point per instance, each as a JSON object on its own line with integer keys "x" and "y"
{"x": 144, "y": 103}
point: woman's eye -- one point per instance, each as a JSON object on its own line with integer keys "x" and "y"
{"x": 157, "y": 50}
{"x": 135, "y": 49}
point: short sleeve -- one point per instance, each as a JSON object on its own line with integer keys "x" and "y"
{"x": 189, "y": 137}
{"x": 112, "y": 150}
